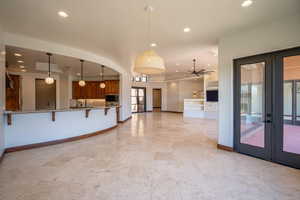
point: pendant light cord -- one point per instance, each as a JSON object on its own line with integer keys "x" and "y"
{"x": 49, "y": 55}
{"x": 102, "y": 72}
{"x": 149, "y": 10}
{"x": 81, "y": 69}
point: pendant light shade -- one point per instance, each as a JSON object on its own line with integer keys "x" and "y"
{"x": 49, "y": 80}
{"x": 149, "y": 62}
{"x": 81, "y": 83}
{"x": 102, "y": 84}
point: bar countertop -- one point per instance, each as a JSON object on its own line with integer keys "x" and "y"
{"x": 60, "y": 110}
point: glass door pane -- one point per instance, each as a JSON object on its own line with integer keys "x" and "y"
{"x": 297, "y": 102}
{"x": 288, "y": 101}
{"x": 134, "y": 96}
{"x": 291, "y": 129}
{"x": 252, "y": 104}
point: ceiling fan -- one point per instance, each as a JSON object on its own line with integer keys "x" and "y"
{"x": 200, "y": 72}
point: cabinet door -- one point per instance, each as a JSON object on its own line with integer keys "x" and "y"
{"x": 112, "y": 87}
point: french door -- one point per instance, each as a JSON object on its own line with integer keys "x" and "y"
{"x": 267, "y": 106}
{"x": 138, "y": 99}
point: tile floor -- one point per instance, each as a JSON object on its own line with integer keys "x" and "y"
{"x": 154, "y": 156}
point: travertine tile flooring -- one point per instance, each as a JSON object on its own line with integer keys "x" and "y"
{"x": 157, "y": 156}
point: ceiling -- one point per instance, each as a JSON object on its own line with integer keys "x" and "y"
{"x": 118, "y": 29}
{"x": 65, "y": 64}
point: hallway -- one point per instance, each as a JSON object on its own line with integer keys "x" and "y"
{"x": 153, "y": 156}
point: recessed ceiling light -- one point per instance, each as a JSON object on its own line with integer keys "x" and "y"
{"x": 247, "y": 3}
{"x": 63, "y": 14}
{"x": 20, "y": 61}
{"x": 22, "y": 66}
{"x": 186, "y": 30}
{"x": 23, "y": 70}
{"x": 78, "y": 74}
{"x": 18, "y": 55}
{"x": 153, "y": 44}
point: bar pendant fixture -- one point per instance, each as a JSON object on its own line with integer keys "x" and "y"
{"x": 49, "y": 80}
{"x": 102, "y": 83}
{"x": 81, "y": 82}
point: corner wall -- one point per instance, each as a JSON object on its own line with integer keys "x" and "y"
{"x": 281, "y": 34}
{"x": 180, "y": 90}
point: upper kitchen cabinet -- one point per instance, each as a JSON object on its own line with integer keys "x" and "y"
{"x": 92, "y": 89}
{"x": 112, "y": 87}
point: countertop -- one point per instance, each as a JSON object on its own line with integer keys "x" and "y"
{"x": 59, "y": 110}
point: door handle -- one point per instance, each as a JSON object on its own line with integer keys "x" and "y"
{"x": 267, "y": 121}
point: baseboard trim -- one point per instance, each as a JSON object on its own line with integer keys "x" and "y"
{"x": 43, "y": 144}
{"x": 226, "y": 148}
{"x": 2, "y": 157}
{"x": 123, "y": 121}
{"x": 171, "y": 111}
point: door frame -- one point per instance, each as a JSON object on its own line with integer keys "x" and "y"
{"x": 280, "y": 156}
{"x": 264, "y": 153}
{"x": 145, "y": 98}
{"x": 275, "y": 153}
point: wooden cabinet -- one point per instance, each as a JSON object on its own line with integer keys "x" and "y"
{"x": 112, "y": 87}
{"x": 92, "y": 89}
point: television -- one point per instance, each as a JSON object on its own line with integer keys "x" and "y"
{"x": 212, "y": 95}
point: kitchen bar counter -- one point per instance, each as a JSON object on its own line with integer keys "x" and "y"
{"x": 59, "y": 110}
{"x": 29, "y": 129}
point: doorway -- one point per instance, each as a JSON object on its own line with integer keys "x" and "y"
{"x": 156, "y": 99}
{"x": 45, "y": 95}
{"x": 267, "y": 106}
{"x": 138, "y": 99}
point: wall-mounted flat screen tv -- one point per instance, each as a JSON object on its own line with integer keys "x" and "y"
{"x": 212, "y": 95}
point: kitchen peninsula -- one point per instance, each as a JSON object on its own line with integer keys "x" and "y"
{"x": 49, "y": 103}
{"x": 29, "y": 129}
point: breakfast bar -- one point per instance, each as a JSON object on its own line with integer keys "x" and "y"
{"x": 29, "y": 129}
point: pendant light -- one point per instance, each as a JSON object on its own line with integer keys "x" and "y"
{"x": 102, "y": 83}
{"x": 149, "y": 62}
{"x": 81, "y": 82}
{"x": 49, "y": 80}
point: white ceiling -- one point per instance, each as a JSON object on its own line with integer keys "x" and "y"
{"x": 117, "y": 28}
{"x": 66, "y": 64}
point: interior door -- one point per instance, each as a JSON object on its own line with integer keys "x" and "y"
{"x": 287, "y": 101}
{"x": 45, "y": 95}
{"x": 253, "y": 106}
{"x": 138, "y": 99}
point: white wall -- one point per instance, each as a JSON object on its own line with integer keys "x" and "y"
{"x": 124, "y": 97}
{"x": 281, "y": 34}
{"x": 180, "y": 90}
{"x": 2, "y": 91}
{"x": 149, "y": 93}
